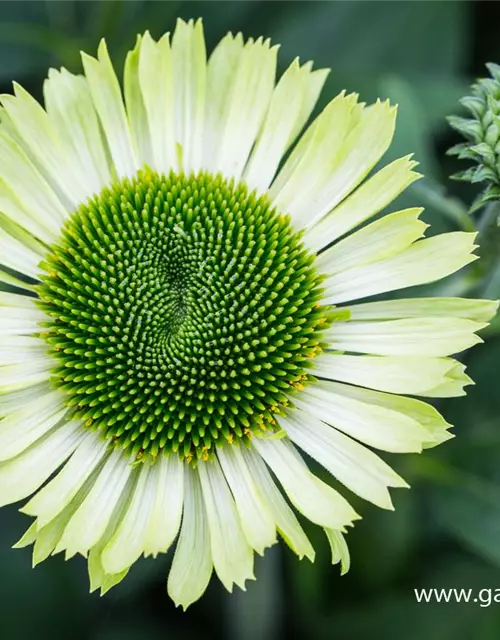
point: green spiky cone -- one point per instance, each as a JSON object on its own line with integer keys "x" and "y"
{"x": 482, "y": 132}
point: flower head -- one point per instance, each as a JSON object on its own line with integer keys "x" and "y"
{"x": 189, "y": 311}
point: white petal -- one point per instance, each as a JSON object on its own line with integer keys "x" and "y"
{"x": 136, "y": 111}
{"x": 314, "y": 158}
{"x": 395, "y": 374}
{"x": 385, "y": 421}
{"x": 71, "y": 110}
{"x": 378, "y": 426}
{"x": 25, "y": 197}
{"x": 22, "y": 428}
{"x": 340, "y": 168}
{"x": 99, "y": 578}
{"x": 239, "y": 85}
{"x": 48, "y": 536}
{"x": 167, "y": 478}
{"x": 222, "y": 68}
{"x": 158, "y": 95}
{"x": 286, "y": 522}
{"x": 127, "y": 544}
{"x": 192, "y": 564}
{"x": 316, "y": 500}
{"x": 20, "y": 301}
{"x": 340, "y": 551}
{"x": 423, "y": 262}
{"x": 476, "y": 310}
{"x": 16, "y": 349}
{"x": 426, "y": 337}
{"x": 189, "y": 60}
{"x": 107, "y": 99}
{"x": 30, "y": 312}
{"x": 7, "y": 278}
{"x": 44, "y": 144}
{"x": 26, "y": 374}
{"x": 353, "y": 465}
{"x": 62, "y": 489}
{"x": 252, "y": 504}
{"x": 231, "y": 554}
{"x": 368, "y": 199}
{"x": 16, "y": 255}
{"x": 378, "y": 240}
{"x": 22, "y": 475}
{"x": 89, "y": 523}
{"x": 16, "y": 400}
{"x": 291, "y": 104}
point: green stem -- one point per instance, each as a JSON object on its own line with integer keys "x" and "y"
{"x": 256, "y": 614}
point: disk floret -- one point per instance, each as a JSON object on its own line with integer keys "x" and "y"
{"x": 183, "y": 311}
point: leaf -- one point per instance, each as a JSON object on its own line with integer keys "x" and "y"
{"x": 469, "y": 510}
{"x": 363, "y": 37}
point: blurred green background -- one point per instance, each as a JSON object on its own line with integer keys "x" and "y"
{"x": 445, "y": 532}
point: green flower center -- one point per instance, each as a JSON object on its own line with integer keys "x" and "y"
{"x": 183, "y": 311}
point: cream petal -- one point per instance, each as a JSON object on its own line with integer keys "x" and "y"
{"x": 425, "y": 337}
{"x": 136, "y": 110}
{"x": 380, "y": 239}
{"x": 25, "y": 197}
{"x": 396, "y": 374}
{"x": 192, "y": 564}
{"x": 316, "y": 500}
{"x": 382, "y": 420}
{"x": 16, "y": 349}
{"x": 251, "y": 503}
{"x": 353, "y": 465}
{"x": 20, "y": 429}
{"x": 18, "y": 256}
{"x": 21, "y": 476}
{"x": 423, "y": 262}
{"x": 16, "y": 400}
{"x": 25, "y": 374}
{"x": 339, "y": 549}
{"x": 61, "y": 490}
{"x": 315, "y": 156}
{"x": 368, "y": 200}
{"x": 475, "y": 310}
{"x": 167, "y": 477}
{"x": 127, "y": 543}
{"x": 158, "y": 95}
{"x": 240, "y": 83}
{"x": 71, "y": 111}
{"x": 189, "y": 61}
{"x": 291, "y": 104}
{"x": 286, "y": 522}
{"x": 107, "y": 98}
{"x": 231, "y": 554}
{"x": 46, "y": 147}
{"x": 330, "y": 171}
{"x": 88, "y": 524}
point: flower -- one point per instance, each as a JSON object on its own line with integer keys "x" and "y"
{"x": 186, "y": 311}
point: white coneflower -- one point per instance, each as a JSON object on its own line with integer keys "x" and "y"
{"x": 187, "y": 318}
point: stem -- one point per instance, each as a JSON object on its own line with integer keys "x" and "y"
{"x": 257, "y": 612}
